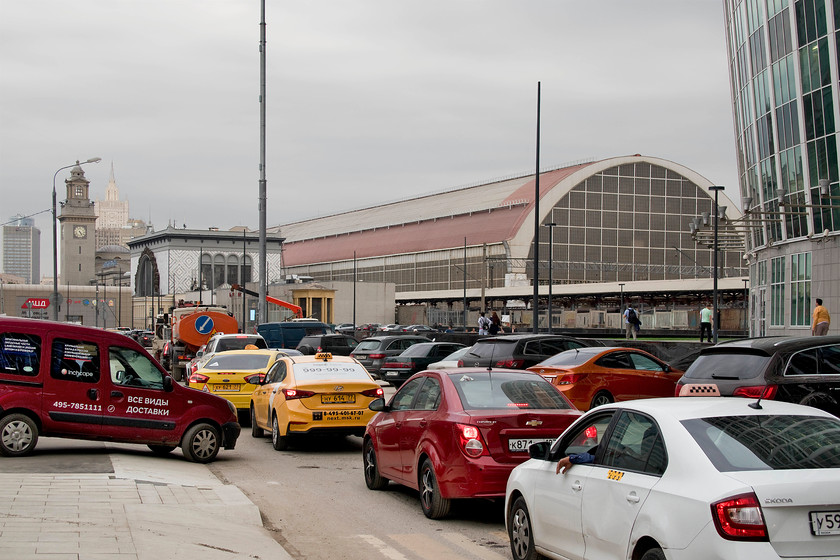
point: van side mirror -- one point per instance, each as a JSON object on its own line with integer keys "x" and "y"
{"x": 168, "y": 384}
{"x": 539, "y": 450}
{"x": 378, "y": 405}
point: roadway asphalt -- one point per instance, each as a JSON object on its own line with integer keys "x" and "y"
{"x": 97, "y": 501}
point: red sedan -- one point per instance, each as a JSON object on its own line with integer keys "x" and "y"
{"x": 590, "y": 377}
{"x": 458, "y": 434}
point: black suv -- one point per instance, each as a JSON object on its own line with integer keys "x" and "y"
{"x": 372, "y": 351}
{"x": 519, "y": 351}
{"x": 338, "y": 344}
{"x": 397, "y": 369}
{"x": 802, "y": 369}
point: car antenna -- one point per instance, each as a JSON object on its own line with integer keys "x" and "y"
{"x": 757, "y": 404}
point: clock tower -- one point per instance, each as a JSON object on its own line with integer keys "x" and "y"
{"x": 77, "y": 219}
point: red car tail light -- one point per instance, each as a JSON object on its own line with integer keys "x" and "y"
{"x": 255, "y": 379}
{"x": 375, "y": 393}
{"x": 739, "y": 518}
{"x": 511, "y": 364}
{"x": 376, "y": 356}
{"x": 398, "y": 365}
{"x": 198, "y": 378}
{"x": 472, "y": 444}
{"x": 292, "y": 394}
{"x": 568, "y": 378}
{"x": 757, "y": 392}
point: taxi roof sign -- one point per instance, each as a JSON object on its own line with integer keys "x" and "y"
{"x": 326, "y": 356}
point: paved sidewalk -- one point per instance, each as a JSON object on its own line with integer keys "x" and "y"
{"x": 147, "y": 509}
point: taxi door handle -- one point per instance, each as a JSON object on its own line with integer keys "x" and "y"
{"x": 93, "y": 394}
{"x": 423, "y": 423}
{"x": 117, "y": 394}
{"x": 577, "y": 486}
{"x": 632, "y": 498}
{"x": 398, "y": 425}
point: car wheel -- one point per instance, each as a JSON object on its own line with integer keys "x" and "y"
{"x": 602, "y": 397}
{"x": 653, "y": 554}
{"x": 18, "y": 435}
{"x": 434, "y": 505}
{"x": 201, "y": 443}
{"x": 256, "y": 431}
{"x": 162, "y": 450}
{"x": 520, "y": 534}
{"x": 306, "y": 350}
{"x": 373, "y": 479}
{"x": 280, "y": 443}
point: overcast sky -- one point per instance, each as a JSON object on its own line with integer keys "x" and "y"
{"x": 368, "y": 101}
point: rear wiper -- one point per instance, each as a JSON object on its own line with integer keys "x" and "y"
{"x": 729, "y": 377}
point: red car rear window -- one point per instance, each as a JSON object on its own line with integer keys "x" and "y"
{"x": 506, "y": 390}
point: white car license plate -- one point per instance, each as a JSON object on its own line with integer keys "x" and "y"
{"x": 825, "y": 523}
{"x": 522, "y": 444}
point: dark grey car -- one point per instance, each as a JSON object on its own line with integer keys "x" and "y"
{"x": 798, "y": 369}
{"x": 338, "y": 344}
{"x": 372, "y": 351}
{"x": 520, "y": 351}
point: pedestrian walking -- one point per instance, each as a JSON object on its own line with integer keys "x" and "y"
{"x": 822, "y": 320}
{"x": 483, "y": 323}
{"x": 495, "y": 324}
{"x": 706, "y": 321}
{"x": 631, "y": 319}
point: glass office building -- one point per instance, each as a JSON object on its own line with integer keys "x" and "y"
{"x": 783, "y": 62}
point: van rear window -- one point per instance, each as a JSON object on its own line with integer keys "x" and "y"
{"x": 728, "y": 365}
{"x": 75, "y": 360}
{"x": 20, "y": 354}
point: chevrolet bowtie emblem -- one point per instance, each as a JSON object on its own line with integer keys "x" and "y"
{"x": 533, "y": 423}
{"x": 339, "y": 387}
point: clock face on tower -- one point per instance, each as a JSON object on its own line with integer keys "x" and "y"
{"x": 79, "y": 232}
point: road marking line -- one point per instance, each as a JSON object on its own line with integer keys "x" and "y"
{"x": 382, "y": 547}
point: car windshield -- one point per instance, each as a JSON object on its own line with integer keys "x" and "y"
{"x": 237, "y": 361}
{"x": 240, "y": 342}
{"x": 488, "y": 390}
{"x": 757, "y": 442}
{"x": 567, "y": 358}
{"x": 456, "y": 355}
{"x": 368, "y": 345}
{"x": 728, "y": 365}
{"x": 494, "y": 348}
{"x": 322, "y": 371}
{"x": 417, "y": 350}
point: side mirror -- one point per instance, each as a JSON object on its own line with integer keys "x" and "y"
{"x": 378, "y": 405}
{"x": 539, "y": 450}
{"x": 168, "y": 384}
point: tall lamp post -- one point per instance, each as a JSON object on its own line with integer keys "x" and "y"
{"x": 550, "y": 226}
{"x": 55, "y": 235}
{"x": 716, "y": 318}
{"x": 621, "y": 306}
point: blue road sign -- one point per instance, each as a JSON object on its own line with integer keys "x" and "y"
{"x": 204, "y": 324}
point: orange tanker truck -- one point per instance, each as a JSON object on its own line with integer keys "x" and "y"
{"x": 186, "y": 328}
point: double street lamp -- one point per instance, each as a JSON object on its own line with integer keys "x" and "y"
{"x": 55, "y": 235}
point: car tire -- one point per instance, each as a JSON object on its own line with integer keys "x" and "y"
{"x": 18, "y": 435}
{"x": 280, "y": 443}
{"x": 256, "y": 431}
{"x": 162, "y": 450}
{"x": 373, "y": 479}
{"x": 653, "y": 554}
{"x": 434, "y": 505}
{"x": 306, "y": 350}
{"x": 601, "y": 397}
{"x": 520, "y": 532}
{"x": 201, "y": 443}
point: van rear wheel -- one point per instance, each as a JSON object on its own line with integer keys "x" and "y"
{"x": 18, "y": 435}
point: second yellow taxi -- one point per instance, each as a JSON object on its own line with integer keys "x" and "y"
{"x": 307, "y": 395}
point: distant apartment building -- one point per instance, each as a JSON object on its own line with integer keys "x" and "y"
{"x": 22, "y": 249}
{"x": 114, "y": 228}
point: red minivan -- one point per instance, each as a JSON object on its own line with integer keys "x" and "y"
{"x": 66, "y": 380}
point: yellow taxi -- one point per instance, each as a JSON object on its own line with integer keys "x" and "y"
{"x": 320, "y": 394}
{"x": 234, "y": 374}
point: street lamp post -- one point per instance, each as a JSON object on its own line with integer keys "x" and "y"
{"x": 716, "y": 318}
{"x": 621, "y": 306}
{"x": 55, "y": 235}
{"x": 550, "y": 226}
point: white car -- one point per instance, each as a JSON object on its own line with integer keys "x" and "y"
{"x": 683, "y": 478}
{"x": 451, "y": 360}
